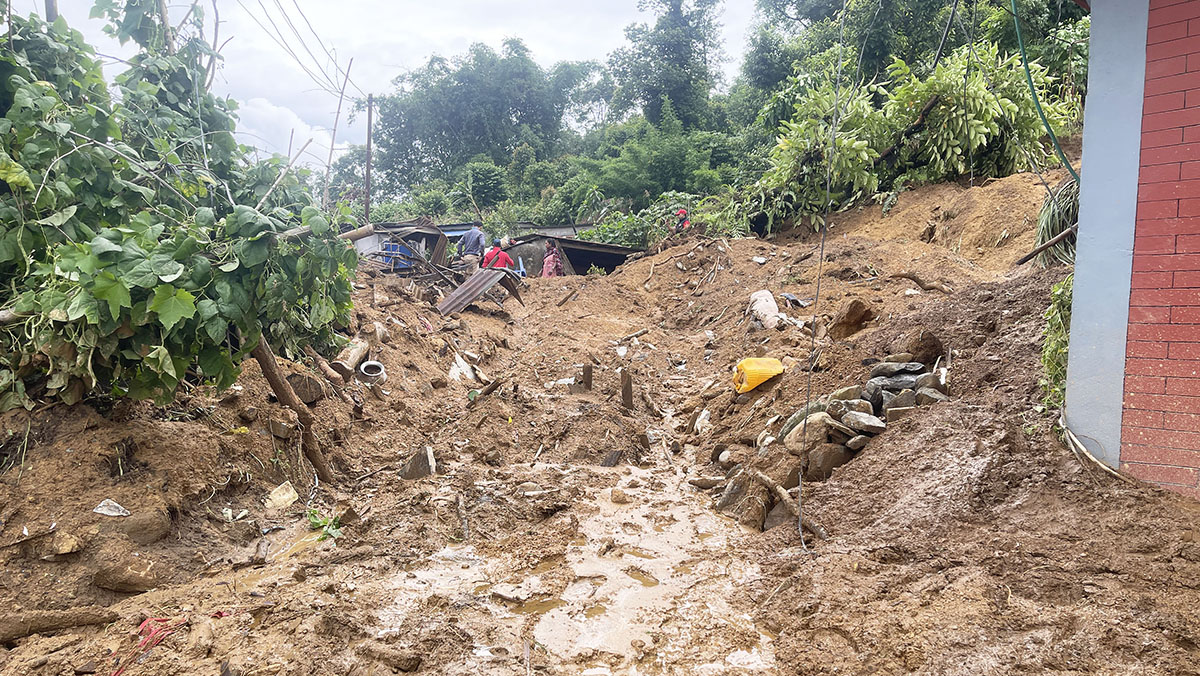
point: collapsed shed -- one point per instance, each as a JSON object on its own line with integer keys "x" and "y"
{"x": 578, "y": 256}
{"x": 397, "y": 245}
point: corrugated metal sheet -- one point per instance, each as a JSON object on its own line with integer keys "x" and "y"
{"x": 476, "y": 286}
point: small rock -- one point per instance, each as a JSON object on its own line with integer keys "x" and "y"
{"x": 282, "y": 496}
{"x": 935, "y": 381}
{"x": 848, "y": 392}
{"x": 620, "y": 497}
{"x": 528, "y": 487}
{"x": 109, "y": 507}
{"x": 280, "y": 429}
{"x": 819, "y": 425}
{"x": 793, "y": 477}
{"x": 840, "y": 407}
{"x": 437, "y": 383}
{"x": 894, "y": 414}
{"x": 905, "y": 399}
{"x": 887, "y": 369}
{"x": 824, "y": 459}
{"x": 717, "y": 450}
{"x": 885, "y": 399}
{"x": 778, "y": 516}
{"x": 147, "y": 527}
{"x": 863, "y": 422}
{"x": 59, "y": 545}
{"x": 928, "y": 395}
{"x": 760, "y": 260}
{"x": 857, "y": 443}
{"x": 420, "y": 465}
{"x": 130, "y": 574}
{"x": 925, "y": 347}
{"x": 88, "y": 667}
{"x": 899, "y": 357}
{"x": 851, "y": 319}
{"x": 741, "y": 399}
{"x": 248, "y": 414}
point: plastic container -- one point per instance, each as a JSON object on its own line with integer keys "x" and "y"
{"x": 755, "y": 371}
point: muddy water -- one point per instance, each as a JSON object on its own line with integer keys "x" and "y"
{"x": 648, "y": 583}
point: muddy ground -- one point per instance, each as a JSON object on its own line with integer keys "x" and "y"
{"x": 565, "y": 533}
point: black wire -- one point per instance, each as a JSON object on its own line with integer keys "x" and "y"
{"x": 937, "y": 56}
{"x": 812, "y": 348}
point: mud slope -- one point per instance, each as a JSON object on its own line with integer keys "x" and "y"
{"x": 567, "y": 533}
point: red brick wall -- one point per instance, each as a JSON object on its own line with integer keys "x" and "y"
{"x": 1160, "y": 437}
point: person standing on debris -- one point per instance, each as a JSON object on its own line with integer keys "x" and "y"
{"x": 497, "y": 258}
{"x": 472, "y": 247}
{"x": 682, "y": 224}
{"x": 552, "y": 265}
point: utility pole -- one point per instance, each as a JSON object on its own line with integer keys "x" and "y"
{"x": 51, "y": 10}
{"x": 370, "y": 118}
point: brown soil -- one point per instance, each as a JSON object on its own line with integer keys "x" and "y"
{"x": 561, "y": 534}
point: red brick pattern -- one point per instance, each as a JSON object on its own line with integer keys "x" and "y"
{"x": 1160, "y": 426}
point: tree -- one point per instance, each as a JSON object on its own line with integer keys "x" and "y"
{"x": 674, "y": 60}
{"x": 482, "y": 187}
{"x": 482, "y": 103}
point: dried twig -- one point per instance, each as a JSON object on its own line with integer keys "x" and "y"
{"x": 782, "y": 495}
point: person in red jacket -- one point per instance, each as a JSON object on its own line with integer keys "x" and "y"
{"x": 497, "y": 258}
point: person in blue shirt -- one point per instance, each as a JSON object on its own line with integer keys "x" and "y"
{"x": 472, "y": 247}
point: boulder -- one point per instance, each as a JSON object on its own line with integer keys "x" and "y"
{"x": 840, "y": 407}
{"x": 928, "y": 395}
{"x": 863, "y": 422}
{"x": 896, "y": 383}
{"x": 146, "y": 527}
{"x": 130, "y": 574}
{"x": 848, "y": 392}
{"x": 857, "y": 443}
{"x": 744, "y": 499}
{"x": 894, "y": 414}
{"x": 891, "y": 368}
{"x": 825, "y": 458}
{"x": 925, "y": 347}
{"x": 905, "y": 399}
{"x": 820, "y": 426}
{"x": 885, "y": 398}
{"x": 850, "y": 319}
{"x": 935, "y": 381}
{"x": 899, "y": 357}
{"x": 799, "y": 416}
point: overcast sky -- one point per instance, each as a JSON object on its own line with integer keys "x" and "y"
{"x": 385, "y": 38}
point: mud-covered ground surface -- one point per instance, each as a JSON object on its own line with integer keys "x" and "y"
{"x": 566, "y": 533}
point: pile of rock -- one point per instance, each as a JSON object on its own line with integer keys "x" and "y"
{"x": 830, "y": 431}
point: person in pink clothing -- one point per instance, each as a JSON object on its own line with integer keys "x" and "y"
{"x": 552, "y": 261}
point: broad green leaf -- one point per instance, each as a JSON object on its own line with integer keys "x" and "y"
{"x": 100, "y": 246}
{"x": 141, "y": 275}
{"x": 167, "y": 268}
{"x": 252, "y": 252}
{"x": 108, "y": 288}
{"x": 172, "y": 305}
{"x": 59, "y": 218}
{"x": 84, "y": 305}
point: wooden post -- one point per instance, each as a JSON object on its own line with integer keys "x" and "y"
{"x": 265, "y": 357}
{"x": 626, "y": 389}
{"x": 587, "y": 376}
{"x": 51, "y": 10}
{"x": 370, "y": 119}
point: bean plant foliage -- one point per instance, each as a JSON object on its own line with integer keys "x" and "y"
{"x": 140, "y": 245}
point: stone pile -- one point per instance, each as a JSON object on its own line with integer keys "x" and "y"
{"x": 830, "y": 431}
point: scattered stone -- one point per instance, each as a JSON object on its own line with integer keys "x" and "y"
{"x": 925, "y": 347}
{"x": 620, "y": 497}
{"x": 717, "y": 450}
{"x": 889, "y": 368}
{"x": 896, "y": 383}
{"x": 147, "y": 527}
{"x": 851, "y": 319}
{"x": 280, "y": 429}
{"x": 864, "y": 422}
{"x": 129, "y": 574}
{"x": 819, "y": 426}
{"x": 437, "y": 383}
{"x": 928, "y": 395}
{"x": 894, "y": 414}
{"x": 109, "y": 507}
{"x": 857, "y": 443}
{"x": 248, "y": 414}
{"x": 744, "y": 499}
{"x": 793, "y": 477}
{"x": 282, "y": 496}
{"x": 760, "y": 260}
{"x": 88, "y": 667}
{"x": 824, "y": 459}
{"x": 905, "y": 399}
{"x": 839, "y": 407}
{"x": 885, "y": 399}
{"x": 528, "y": 487}
{"x": 59, "y": 545}
{"x": 420, "y": 465}
{"x": 706, "y": 482}
{"x": 309, "y": 389}
{"x": 778, "y": 516}
{"x": 734, "y": 454}
{"x": 799, "y": 416}
{"x": 934, "y": 381}
{"x": 899, "y": 357}
{"x": 849, "y": 392}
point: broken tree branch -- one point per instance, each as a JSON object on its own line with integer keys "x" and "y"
{"x": 1049, "y": 243}
{"x": 265, "y": 357}
{"x": 15, "y": 624}
{"x": 782, "y": 495}
{"x": 927, "y": 286}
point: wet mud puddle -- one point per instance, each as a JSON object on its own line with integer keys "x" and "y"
{"x": 647, "y": 589}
